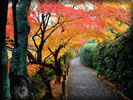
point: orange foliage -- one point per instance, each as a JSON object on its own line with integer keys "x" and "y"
{"x": 9, "y": 61}
{"x": 9, "y": 27}
{"x": 32, "y": 69}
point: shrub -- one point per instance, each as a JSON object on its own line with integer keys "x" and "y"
{"x": 98, "y": 59}
{"x": 113, "y": 59}
{"x": 86, "y": 54}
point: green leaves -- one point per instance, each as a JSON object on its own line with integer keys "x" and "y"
{"x": 114, "y": 59}
{"x": 86, "y": 54}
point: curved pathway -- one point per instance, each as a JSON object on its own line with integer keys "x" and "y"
{"x": 84, "y": 85}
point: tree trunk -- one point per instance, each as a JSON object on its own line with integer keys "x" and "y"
{"x": 59, "y": 69}
{"x": 43, "y": 74}
{"x": 58, "y": 78}
{"x": 4, "y": 77}
{"x": 20, "y": 81}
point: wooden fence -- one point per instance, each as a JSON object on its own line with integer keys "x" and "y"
{"x": 66, "y": 73}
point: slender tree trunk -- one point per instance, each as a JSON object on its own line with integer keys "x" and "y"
{"x": 59, "y": 69}
{"x": 4, "y": 77}
{"x": 20, "y": 81}
{"x": 64, "y": 58}
{"x": 58, "y": 78}
{"x": 43, "y": 74}
{"x": 56, "y": 64}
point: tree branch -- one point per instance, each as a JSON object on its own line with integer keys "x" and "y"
{"x": 33, "y": 38}
{"x": 51, "y": 51}
{"x": 30, "y": 55}
{"x": 47, "y": 57}
{"x": 15, "y": 22}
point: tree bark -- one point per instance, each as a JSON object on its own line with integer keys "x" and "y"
{"x": 19, "y": 78}
{"x": 44, "y": 76}
{"x": 59, "y": 69}
{"x": 4, "y": 77}
{"x": 57, "y": 64}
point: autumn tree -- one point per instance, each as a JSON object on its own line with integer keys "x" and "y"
{"x": 39, "y": 37}
{"x": 38, "y": 40}
{"x": 55, "y": 47}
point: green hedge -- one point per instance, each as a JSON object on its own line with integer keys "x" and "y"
{"x": 113, "y": 59}
{"x": 86, "y": 54}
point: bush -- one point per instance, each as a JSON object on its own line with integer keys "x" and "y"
{"x": 113, "y": 59}
{"x": 86, "y": 54}
{"x": 98, "y": 59}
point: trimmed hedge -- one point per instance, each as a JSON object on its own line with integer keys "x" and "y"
{"x": 114, "y": 60}
{"x": 86, "y": 54}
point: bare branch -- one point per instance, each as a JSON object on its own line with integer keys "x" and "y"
{"x": 47, "y": 57}
{"x": 50, "y": 34}
{"x": 33, "y": 38}
{"x": 54, "y": 25}
{"x": 30, "y": 55}
{"x": 51, "y": 51}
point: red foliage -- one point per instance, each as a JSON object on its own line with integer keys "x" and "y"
{"x": 95, "y": 18}
{"x": 113, "y": 13}
{"x": 32, "y": 69}
{"x": 9, "y": 27}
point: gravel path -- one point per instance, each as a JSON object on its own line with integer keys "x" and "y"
{"x": 84, "y": 85}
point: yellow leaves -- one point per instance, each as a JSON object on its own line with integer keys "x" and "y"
{"x": 109, "y": 35}
{"x": 125, "y": 4}
{"x": 117, "y": 25}
{"x": 123, "y": 27}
